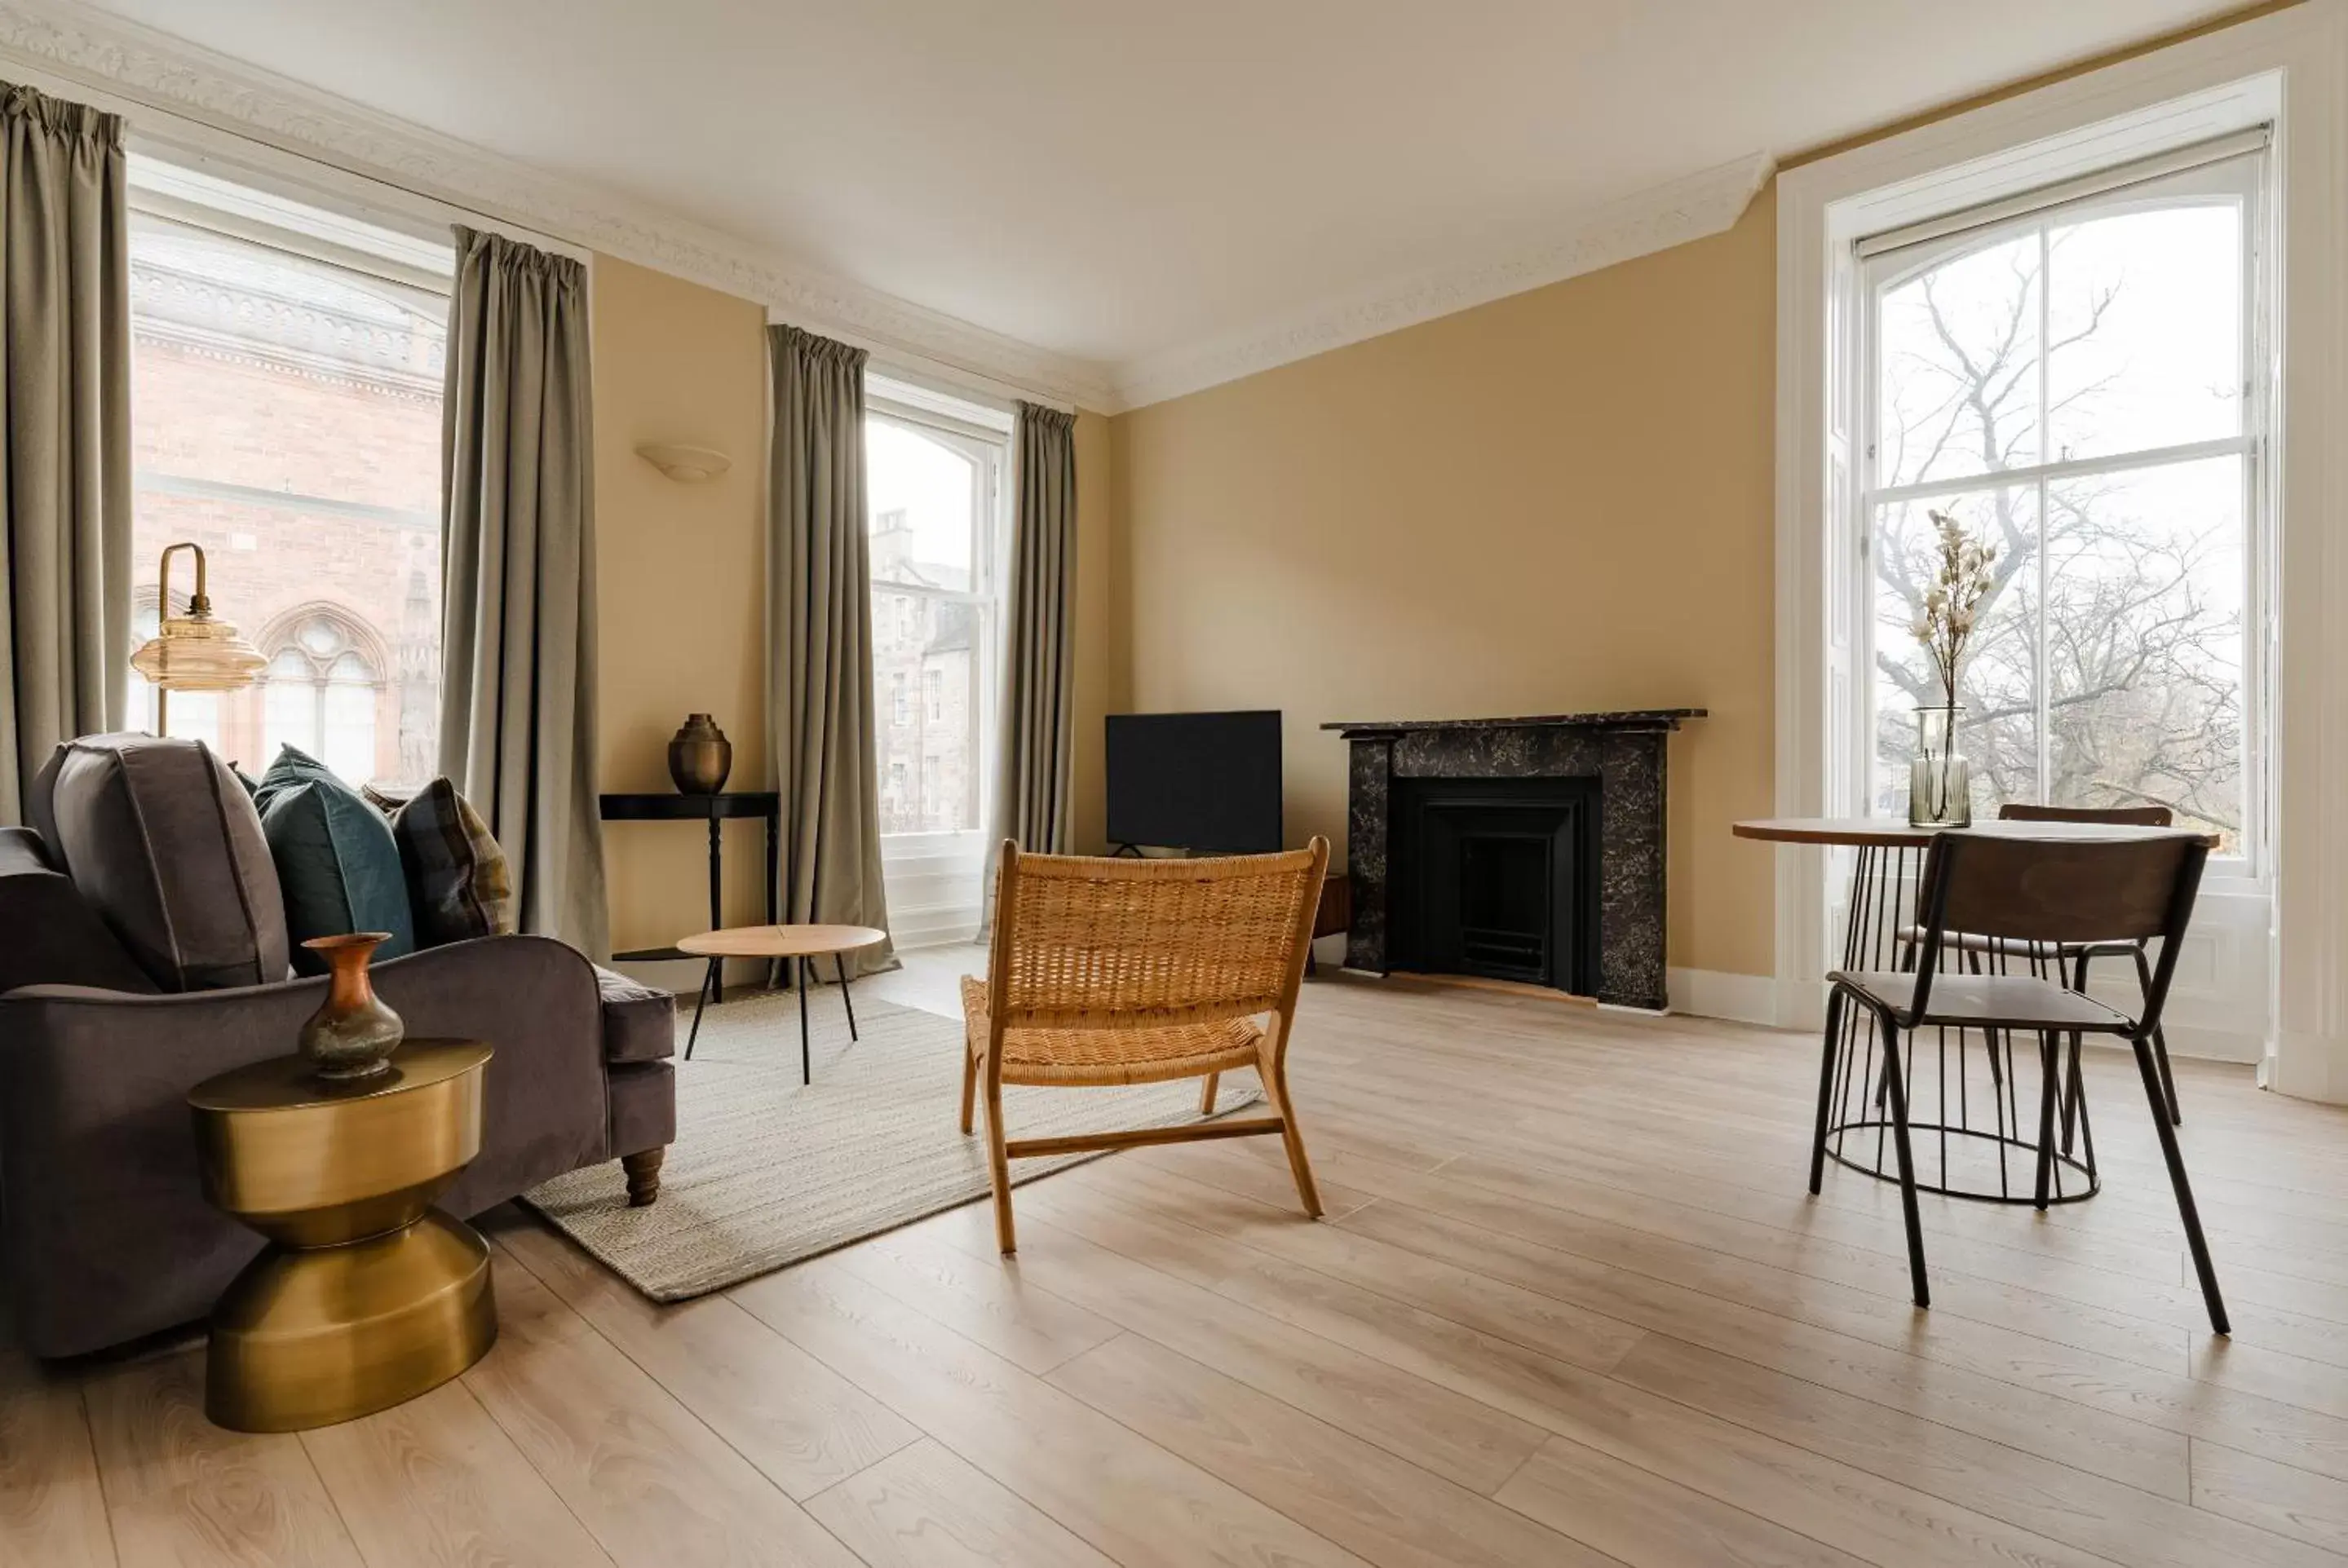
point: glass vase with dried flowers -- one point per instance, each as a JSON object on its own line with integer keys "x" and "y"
{"x": 1940, "y": 783}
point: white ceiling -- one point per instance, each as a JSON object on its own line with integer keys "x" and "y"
{"x": 1119, "y": 182}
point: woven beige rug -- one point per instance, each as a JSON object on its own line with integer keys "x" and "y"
{"x": 765, "y": 1172}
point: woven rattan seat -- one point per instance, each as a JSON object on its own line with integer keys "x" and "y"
{"x": 1092, "y": 1056}
{"x": 1114, "y": 972}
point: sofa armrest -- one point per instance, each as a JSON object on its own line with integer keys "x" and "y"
{"x": 103, "y": 1224}
{"x": 48, "y": 932}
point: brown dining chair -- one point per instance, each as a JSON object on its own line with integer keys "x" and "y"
{"x": 1116, "y": 971}
{"x": 2076, "y": 956}
{"x": 2057, "y": 892}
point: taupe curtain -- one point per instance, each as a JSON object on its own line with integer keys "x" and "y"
{"x": 819, "y": 642}
{"x": 517, "y": 577}
{"x": 64, "y": 431}
{"x": 1039, "y": 665}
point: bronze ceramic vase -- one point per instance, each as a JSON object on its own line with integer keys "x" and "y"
{"x": 700, "y": 756}
{"x": 353, "y": 1034}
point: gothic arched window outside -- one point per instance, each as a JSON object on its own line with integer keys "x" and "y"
{"x": 319, "y": 697}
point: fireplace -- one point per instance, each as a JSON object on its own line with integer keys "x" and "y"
{"x": 1522, "y": 849}
{"x": 1496, "y": 877}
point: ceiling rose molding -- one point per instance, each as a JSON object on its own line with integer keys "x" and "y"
{"x": 1649, "y": 221}
{"x": 165, "y": 73}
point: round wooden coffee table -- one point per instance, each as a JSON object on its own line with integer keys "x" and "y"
{"x": 797, "y": 944}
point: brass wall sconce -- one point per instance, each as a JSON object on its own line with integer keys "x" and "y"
{"x": 197, "y": 651}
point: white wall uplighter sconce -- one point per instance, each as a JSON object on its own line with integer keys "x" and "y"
{"x": 686, "y": 464}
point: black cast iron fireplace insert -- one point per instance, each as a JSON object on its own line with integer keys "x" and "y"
{"x": 1497, "y": 877}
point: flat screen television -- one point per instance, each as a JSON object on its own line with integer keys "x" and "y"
{"x": 1207, "y": 782}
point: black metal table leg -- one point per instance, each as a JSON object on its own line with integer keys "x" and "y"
{"x": 839, "y": 961}
{"x": 699, "y": 1001}
{"x": 807, "y": 1068}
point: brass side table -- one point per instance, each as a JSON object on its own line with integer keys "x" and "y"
{"x": 367, "y": 1296}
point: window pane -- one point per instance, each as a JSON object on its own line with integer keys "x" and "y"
{"x": 2144, "y": 316}
{"x": 1958, "y": 346}
{"x": 350, "y": 729}
{"x": 262, "y": 384}
{"x": 924, "y": 500}
{"x": 1997, "y": 684}
{"x": 2144, "y": 641}
{"x": 928, "y": 750}
{"x": 194, "y": 716}
{"x": 289, "y": 707}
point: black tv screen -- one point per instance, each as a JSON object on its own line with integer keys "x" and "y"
{"x": 1207, "y": 782}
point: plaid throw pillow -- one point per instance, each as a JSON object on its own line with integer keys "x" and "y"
{"x": 457, "y": 879}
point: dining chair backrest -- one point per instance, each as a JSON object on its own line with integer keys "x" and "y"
{"x": 2052, "y": 890}
{"x": 2117, "y": 815}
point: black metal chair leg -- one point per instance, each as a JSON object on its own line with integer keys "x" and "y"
{"x": 2078, "y": 1083}
{"x": 700, "y": 1000}
{"x": 839, "y": 962}
{"x": 2159, "y": 1045}
{"x": 1826, "y": 1087}
{"x": 2050, "y": 1062}
{"x": 2185, "y": 1208}
{"x": 1896, "y": 1091}
{"x": 807, "y": 1067}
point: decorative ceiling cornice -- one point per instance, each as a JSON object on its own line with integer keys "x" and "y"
{"x": 147, "y": 67}
{"x": 1648, "y": 220}
{"x": 152, "y": 68}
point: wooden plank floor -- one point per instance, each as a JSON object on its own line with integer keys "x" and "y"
{"x": 1571, "y": 1306}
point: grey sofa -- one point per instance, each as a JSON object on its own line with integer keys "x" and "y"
{"x": 129, "y": 913}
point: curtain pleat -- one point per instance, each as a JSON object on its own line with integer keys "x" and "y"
{"x": 1034, "y": 769}
{"x": 64, "y": 431}
{"x": 517, "y": 577}
{"x": 819, "y": 643}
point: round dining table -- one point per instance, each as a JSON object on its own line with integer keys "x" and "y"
{"x": 1964, "y": 1102}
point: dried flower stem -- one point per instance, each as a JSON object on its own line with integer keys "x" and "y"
{"x": 1952, "y": 604}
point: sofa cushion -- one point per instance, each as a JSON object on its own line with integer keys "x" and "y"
{"x": 335, "y": 859}
{"x": 639, "y": 1022}
{"x": 164, "y": 844}
{"x": 458, "y": 883}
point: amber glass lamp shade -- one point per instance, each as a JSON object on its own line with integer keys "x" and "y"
{"x": 197, "y": 651}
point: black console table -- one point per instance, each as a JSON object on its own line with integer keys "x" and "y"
{"x": 713, "y": 809}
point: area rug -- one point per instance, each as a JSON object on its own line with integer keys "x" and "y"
{"x": 765, "y": 1172}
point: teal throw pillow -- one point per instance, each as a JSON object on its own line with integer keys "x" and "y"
{"x": 337, "y": 864}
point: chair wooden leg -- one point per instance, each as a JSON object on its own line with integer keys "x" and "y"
{"x": 1276, "y": 1088}
{"x": 1896, "y": 1091}
{"x": 969, "y": 1085}
{"x": 998, "y": 1172}
{"x": 1826, "y": 1087}
{"x": 2185, "y": 1208}
{"x": 1206, "y": 1094}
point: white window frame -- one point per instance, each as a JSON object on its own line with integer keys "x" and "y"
{"x": 2289, "y": 70}
{"x": 933, "y": 879}
{"x": 2240, "y": 169}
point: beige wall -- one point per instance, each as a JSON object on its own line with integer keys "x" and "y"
{"x": 680, "y": 589}
{"x": 680, "y": 584}
{"x": 1558, "y": 501}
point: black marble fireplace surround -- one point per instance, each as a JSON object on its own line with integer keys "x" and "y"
{"x": 1614, "y": 761}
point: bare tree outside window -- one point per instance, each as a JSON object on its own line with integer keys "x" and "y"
{"x": 2072, "y": 389}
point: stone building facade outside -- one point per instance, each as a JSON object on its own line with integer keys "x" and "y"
{"x": 286, "y": 417}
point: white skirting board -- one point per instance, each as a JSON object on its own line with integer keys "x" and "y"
{"x": 1715, "y": 993}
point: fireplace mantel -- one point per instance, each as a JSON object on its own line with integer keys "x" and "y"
{"x": 1624, "y": 752}
{"x": 1629, "y": 719}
